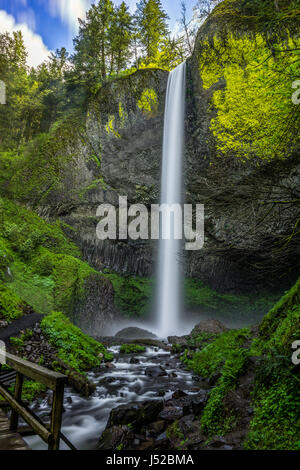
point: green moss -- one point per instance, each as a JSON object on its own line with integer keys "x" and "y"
{"x": 76, "y": 349}
{"x": 276, "y": 424}
{"x": 132, "y": 294}
{"x": 98, "y": 183}
{"x": 215, "y": 418}
{"x": 24, "y": 231}
{"x": 132, "y": 349}
{"x": 290, "y": 302}
{"x": 69, "y": 275}
{"x": 148, "y": 102}
{"x": 40, "y": 167}
{"x": 175, "y": 433}
{"x": 198, "y": 295}
{"x": 46, "y": 270}
{"x": 212, "y": 357}
{"x": 11, "y": 305}
{"x": 227, "y": 356}
{"x": 110, "y": 127}
{"x": 249, "y": 103}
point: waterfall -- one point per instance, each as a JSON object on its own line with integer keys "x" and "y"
{"x": 169, "y": 265}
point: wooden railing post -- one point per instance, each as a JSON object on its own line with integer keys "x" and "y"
{"x": 53, "y": 381}
{"x": 14, "y": 420}
{"x": 56, "y": 416}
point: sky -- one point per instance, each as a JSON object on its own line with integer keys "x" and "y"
{"x": 48, "y": 25}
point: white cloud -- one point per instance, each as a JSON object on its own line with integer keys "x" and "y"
{"x": 37, "y": 50}
{"x": 68, "y": 10}
{"x": 27, "y": 17}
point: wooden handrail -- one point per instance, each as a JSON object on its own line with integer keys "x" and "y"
{"x": 37, "y": 373}
{"x": 26, "y": 415}
{"x": 53, "y": 381}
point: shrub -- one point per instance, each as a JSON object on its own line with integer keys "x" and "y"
{"x": 132, "y": 349}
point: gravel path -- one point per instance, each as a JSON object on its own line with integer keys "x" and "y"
{"x": 22, "y": 323}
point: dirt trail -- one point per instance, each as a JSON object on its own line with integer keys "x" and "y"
{"x": 27, "y": 321}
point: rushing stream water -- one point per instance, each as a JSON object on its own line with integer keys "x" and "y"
{"x": 84, "y": 419}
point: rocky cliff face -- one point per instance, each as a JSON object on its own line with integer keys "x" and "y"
{"x": 250, "y": 188}
{"x": 250, "y": 200}
{"x": 119, "y": 154}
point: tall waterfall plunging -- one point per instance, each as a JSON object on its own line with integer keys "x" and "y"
{"x": 169, "y": 265}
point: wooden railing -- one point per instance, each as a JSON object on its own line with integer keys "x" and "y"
{"x": 54, "y": 381}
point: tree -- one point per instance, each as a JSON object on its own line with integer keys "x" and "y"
{"x": 50, "y": 76}
{"x": 20, "y": 117}
{"x": 186, "y": 27}
{"x": 93, "y": 43}
{"x": 121, "y": 37}
{"x": 152, "y": 23}
{"x": 204, "y": 8}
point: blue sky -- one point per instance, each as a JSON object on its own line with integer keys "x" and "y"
{"x": 50, "y": 24}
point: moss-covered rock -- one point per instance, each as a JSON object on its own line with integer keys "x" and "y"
{"x": 132, "y": 349}
{"x": 41, "y": 267}
{"x": 79, "y": 351}
{"x": 276, "y": 397}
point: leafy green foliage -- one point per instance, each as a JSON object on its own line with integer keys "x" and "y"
{"x": 132, "y": 349}
{"x": 30, "y": 390}
{"x": 215, "y": 419}
{"x": 76, "y": 349}
{"x": 17, "y": 343}
{"x": 20, "y": 342}
{"x": 212, "y": 357}
{"x": 11, "y": 306}
{"x": 198, "y": 295}
{"x": 227, "y": 356}
{"x": 287, "y": 307}
{"x": 275, "y": 425}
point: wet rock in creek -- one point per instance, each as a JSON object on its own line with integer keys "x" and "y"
{"x": 135, "y": 333}
{"x": 158, "y": 371}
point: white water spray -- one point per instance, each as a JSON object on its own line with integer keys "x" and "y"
{"x": 169, "y": 266}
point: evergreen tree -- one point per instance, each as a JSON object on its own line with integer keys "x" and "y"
{"x": 121, "y": 36}
{"x": 93, "y": 43}
{"x": 20, "y": 117}
{"x": 152, "y": 23}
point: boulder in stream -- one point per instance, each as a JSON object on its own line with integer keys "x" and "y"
{"x": 135, "y": 333}
{"x": 209, "y": 326}
{"x": 156, "y": 371}
{"x": 136, "y": 414}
